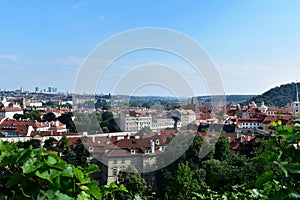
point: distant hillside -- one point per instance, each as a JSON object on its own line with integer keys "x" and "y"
{"x": 229, "y": 98}
{"x": 278, "y": 96}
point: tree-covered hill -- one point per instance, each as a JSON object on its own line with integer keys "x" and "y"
{"x": 278, "y": 96}
{"x": 229, "y": 98}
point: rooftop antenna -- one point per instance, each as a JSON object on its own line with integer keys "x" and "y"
{"x": 297, "y": 96}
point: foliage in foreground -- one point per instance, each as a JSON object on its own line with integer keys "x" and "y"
{"x": 39, "y": 174}
{"x": 270, "y": 170}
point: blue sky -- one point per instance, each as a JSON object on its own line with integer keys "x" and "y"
{"x": 255, "y": 45}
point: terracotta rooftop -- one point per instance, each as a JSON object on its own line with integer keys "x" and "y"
{"x": 10, "y": 109}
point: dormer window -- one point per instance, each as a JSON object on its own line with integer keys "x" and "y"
{"x": 157, "y": 141}
{"x": 132, "y": 151}
{"x": 91, "y": 149}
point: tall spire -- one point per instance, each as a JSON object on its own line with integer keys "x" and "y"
{"x": 297, "y": 95}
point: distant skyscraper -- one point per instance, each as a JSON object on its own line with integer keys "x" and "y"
{"x": 21, "y": 89}
{"x": 36, "y": 89}
{"x": 52, "y": 89}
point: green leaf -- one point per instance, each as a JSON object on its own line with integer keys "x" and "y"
{"x": 83, "y": 187}
{"x": 31, "y": 165}
{"x": 288, "y": 129}
{"x": 83, "y": 196}
{"x": 137, "y": 197}
{"x": 264, "y": 178}
{"x": 56, "y": 182}
{"x": 293, "y": 168}
{"x": 269, "y": 144}
{"x": 53, "y": 195}
{"x": 92, "y": 168}
{"x": 27, "y": 188}
{"x": 269, "y": 156}
{"x": 48, "y": 174}
{"x": 8, "y": 158}
{"x": 282, "y": 167}
{"x": 24, "y": 155}
{"x": 16, "y": 179}
{"x": 274, "y": 124}
{"x": 68, "y": 172}
{"x": 79, "y": 175}
{"x": 51, "y": 160}
{"x": 94, "y": 190}
{"x": 293, "y": 194}
{"x": 61, "y": 164}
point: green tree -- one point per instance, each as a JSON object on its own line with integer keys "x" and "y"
{"x": 218, "y": 175}
{"x": 33, "y": 115}
{"x": 184, "y": 183}
{"x": 102, "y": 104}
{"x": 49, "y": 117}
{"x": 66, "y": 119}
{"x": 107, "y": 122}
{"x": 222, "y": 149}
{"x": 146, "y": 105}
{"x": 133, "y": 181}
{"x": 67, "y": 105}
{"x": 34, "y": 143}
{"x": 282, "y": 154}
{"x": 49, "y": 143}
{"x": 107, "y": 116}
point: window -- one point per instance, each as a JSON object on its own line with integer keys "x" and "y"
{"x": 115, "y": 172}
{"x": 123, "y": 160}
{"x": 115, "y": 161}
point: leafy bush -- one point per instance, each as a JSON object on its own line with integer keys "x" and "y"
{"x": 39, "y": 174}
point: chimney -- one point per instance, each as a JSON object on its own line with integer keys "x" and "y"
{"x": 242, "y": 136}
{"x": 152, "y": 145}
{"x": 93, "y": 139}
{"x": 228, "y": 139}
{"x": 248, "y": 138}
{"x": 137, "y": 137}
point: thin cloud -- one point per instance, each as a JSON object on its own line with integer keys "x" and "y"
{"x": 77, "y": 5}
{"x": 69, "y": 61}
{"x": 101, "y": 18}
{"x": 9, "y": 57}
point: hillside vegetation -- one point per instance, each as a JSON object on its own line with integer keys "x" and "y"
{"x": 278, "y": 96}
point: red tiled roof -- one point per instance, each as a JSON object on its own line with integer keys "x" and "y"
{"x": 10, "y": 109}
{"x": 15, "y": 126}
{"x": 249, "y": 120}
{"x": 235, "y": 143}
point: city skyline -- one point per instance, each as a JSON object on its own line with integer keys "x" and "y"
{"x": 254, "y": 44}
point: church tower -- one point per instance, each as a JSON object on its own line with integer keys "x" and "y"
{"x": 296, "y": 104}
